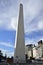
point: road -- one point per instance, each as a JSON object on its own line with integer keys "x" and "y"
{"x": 22, "y": 64}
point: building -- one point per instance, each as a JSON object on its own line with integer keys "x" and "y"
{"x": 40, "y": 52}
{"x": 40, "y": 44}
{"x": 37, "y": 52}
{"x": 29, "y": 50}
{"x": 33, "y": 51}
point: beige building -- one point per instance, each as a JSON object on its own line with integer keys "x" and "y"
{"x": 40, "y": 44}
{"x": 37, "y": 52}
{"x": 29, "y": 50}
{"x": 33, "y": 51}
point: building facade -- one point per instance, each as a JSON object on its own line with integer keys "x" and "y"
{"x": 33, "y": 51}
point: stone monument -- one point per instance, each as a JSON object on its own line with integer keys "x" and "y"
{"x": 19, "y": 55}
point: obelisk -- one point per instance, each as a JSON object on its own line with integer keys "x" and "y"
{"x": 20, "y": 41}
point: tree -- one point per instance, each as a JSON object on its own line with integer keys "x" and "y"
{"x": 1, "y": 56}
{"x": 26, "y": 57}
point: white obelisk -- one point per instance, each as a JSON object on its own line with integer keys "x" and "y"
{"x": 20, "y": 42}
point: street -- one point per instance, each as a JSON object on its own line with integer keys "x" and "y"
{"x": 22, "y": 64}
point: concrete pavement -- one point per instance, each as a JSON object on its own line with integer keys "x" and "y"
{"x": 22, "y": 64}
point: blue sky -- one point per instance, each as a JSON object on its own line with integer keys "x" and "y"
{"x": 33, "y": 23}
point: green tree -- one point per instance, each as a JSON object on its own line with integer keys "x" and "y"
{"x": 1, "y": 55}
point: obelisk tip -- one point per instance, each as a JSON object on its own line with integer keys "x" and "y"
{"x": 21, "y": 4}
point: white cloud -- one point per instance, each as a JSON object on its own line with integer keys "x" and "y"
{"x": 2, "y": 23}
{"x": 9, "y": 54}
{"x": 30, "y": 41}
{"x": 32, "y": 9}
{"x": 3, "y": 51}
{"x": 41, "y": 38}
{"x": 14, "y": 23}
{"x": 33, "y": 41}
{"x": 40, "y": 24}
{"x": 35, "y": 26}
{"x": 11, "y": 24}
{"x": 6, "y": 44}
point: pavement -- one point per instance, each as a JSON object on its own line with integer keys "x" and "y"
{"x": 21, "y": 64}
